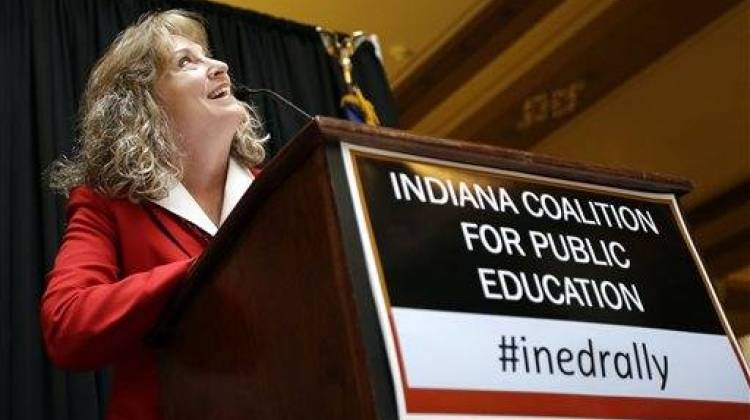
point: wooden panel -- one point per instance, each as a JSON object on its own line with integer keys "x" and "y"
{"x": 724, "y": 203}
{"x": 729, "y": 255}
{"x": 735, "y": 299}
{"x": 724, "y": 254}
{"x": 270, "y": 329}
{"x": 475, "y": 45}
{"x": 739, "y": 319}
{"x": 620, "y": 42}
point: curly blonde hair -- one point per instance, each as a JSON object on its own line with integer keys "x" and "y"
{"x": 126, "y": 148}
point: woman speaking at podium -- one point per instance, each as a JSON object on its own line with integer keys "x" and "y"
{"x": 164, "y": 154}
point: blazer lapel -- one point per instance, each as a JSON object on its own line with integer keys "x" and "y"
{"x": 190, "y": 239}
{"x": 182, "y": 217}
{"x": 181, "y": 203}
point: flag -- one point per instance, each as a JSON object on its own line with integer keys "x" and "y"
{"x": 357, "y": 108}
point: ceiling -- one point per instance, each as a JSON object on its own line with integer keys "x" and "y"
{"x": 406, "y": 29}
{"x": 653, "y": 86}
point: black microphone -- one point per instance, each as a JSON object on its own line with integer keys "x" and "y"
{"x": 243, "y": 93}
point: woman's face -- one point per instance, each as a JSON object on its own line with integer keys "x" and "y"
{"x": 195, "y": 91}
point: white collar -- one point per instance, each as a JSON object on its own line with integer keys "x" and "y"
{"x": 180, "y": 202}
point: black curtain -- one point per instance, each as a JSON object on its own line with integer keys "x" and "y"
{"x": 49, "y": 47}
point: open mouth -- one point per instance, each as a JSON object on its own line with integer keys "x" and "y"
{"x": 219, "y": 93}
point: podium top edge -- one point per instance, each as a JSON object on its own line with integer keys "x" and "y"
{"x": 337, "y": 130}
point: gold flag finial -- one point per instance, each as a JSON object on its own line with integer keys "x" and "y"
{"x": 342, "y": 47}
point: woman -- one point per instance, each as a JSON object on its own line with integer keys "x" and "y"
{"x": 164, "y": 155}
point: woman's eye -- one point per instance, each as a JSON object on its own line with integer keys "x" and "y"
{"x": 183, "y": 61}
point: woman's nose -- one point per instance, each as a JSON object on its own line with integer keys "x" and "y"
{"x": 217, "y": 68}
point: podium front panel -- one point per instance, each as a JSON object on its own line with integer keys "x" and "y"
{"x": 500, "y": 293}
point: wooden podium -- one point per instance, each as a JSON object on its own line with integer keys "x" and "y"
{"x": 278, "y": 320}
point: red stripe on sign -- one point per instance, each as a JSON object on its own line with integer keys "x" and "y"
{"x": 423, "y": 401}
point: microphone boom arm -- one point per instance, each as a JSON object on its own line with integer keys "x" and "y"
{"x": 243, "y": 93}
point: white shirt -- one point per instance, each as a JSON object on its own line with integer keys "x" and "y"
{"x": 180, "y": 202}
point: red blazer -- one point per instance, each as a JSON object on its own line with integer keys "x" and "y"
{"x": 118, "y": 263}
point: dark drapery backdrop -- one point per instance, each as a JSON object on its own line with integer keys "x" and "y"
{"x": 49, "y": 46}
